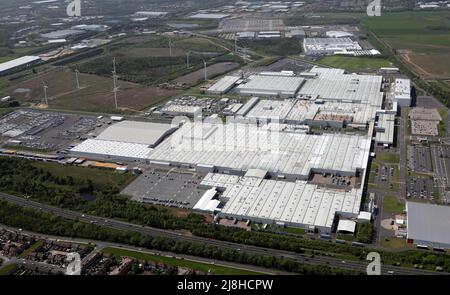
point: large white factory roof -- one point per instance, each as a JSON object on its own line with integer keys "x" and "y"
{"x": 224, "y": 84}
{"x": 209, "y": 16}
{"x": 427, "y": 223}
{"x": 242, "y": 147}
{"x": 385, "y": 129}
{"x": 338, "y": 34}
{"x": 335, "y": 85}
{"x": 402, "y": 88}
{"x": 329, "y": 45}
{"x": 18, "y": 62}
{"x": 105, "y": 148}
{"x": 293, "y": 203}
{"x": 299, "y": 111}
{"x": 136, "y": 132}
{"x": 271, "y": 85}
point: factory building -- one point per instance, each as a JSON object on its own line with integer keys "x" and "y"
{"x": 401, "y": 92}
{"x": 266, "y": 85}
{"x": 127, "y": 140}
{"x": 297, "y": 204}
{"x": 224, "y": 85}
{"x": 334, "y": 114}
{"x": 385, "y": 129}
{"x": 174, "y": 110}
{"x": 236, "y": 148}
{"x": 335, "y": 85}
{"x": 428, "y": 225}
{"x": 328, "y": 46}
{"x": 18, "y": 64}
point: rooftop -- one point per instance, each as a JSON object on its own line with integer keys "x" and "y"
{"x": 333, "y": 84}
{"x": 18, "y": 62}
{"x": 136, "y": 132}
{"x": 294, "y": 203}
{"x": 242, "y": 147}
{"x": 428, "y": 222}
{"x": 271, "y": 85}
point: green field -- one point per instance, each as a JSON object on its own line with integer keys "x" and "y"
{"x": 393, "y": 205}
{"x": 7, "y": 269}
{"x": 396, "y": 244}
{"x": 385, "y": 157}
{"x": 293, "y": 230}
{"x": 424, "y": 27}
{"x": 98, "y": 176}
{"x": 354, "y": 63}
{"x": 421, "y": 38}
{"x": 216, "y": 269}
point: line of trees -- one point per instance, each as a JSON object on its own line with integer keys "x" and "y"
{"x": 33, "y": 220}
{"x": 20, "y": 177}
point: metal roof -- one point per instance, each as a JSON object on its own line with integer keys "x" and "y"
{"x": 136, "y": 132}
{"x": 346, "y": 225}
{"x": 296, "y": 203}
{"x": 271, "y": 85}
{"x": 94, "y": 148}
{"x": 18, "y": 62}
{"x": 333, "y": 84}
{"x": 243, "y": 147}
{"x": 386, "y": 128}
{"x": 224, "y": 84}
{"x": 427, "y": 222}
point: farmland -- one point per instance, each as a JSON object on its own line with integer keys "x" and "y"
{"x": 148, "y": 60}
{"x": 95, "y": 93}
{"x": 422, "y": 39}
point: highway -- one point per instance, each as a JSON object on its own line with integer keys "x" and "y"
{"x": 154, "y": 232}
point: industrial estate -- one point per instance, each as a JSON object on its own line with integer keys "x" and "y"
{"x": 228, "y": 137}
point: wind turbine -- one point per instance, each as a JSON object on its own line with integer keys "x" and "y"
{"x": 45, "y": 92}
{"x": 77, "y": 72}
{"x": 188, "y": 53}
{"x": 116, "y": 88}
{"x": 204, "y": 64}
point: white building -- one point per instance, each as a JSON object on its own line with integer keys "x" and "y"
{"x": 401, "y": 92}
{"x": 265, "y": 85}
{"x": 236, "y": 148}
{"x": 127, "y": 140}
{"x": 327, "y": 46}
{"x": 18, "y": 64}
{"x": 385, "y": 129}
{"x": 297, "y": 204}
{"x": 224, "y": 85}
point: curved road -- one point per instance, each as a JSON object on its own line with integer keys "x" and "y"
{"x": 154, "y": 232}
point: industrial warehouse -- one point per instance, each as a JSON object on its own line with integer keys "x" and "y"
{"x": 428, "y": 225}
{"x": 18, "y": 64}
{"x": 297, "y": 203}
{"x": 326, "y": 46}
{"x": 265, "y": 165}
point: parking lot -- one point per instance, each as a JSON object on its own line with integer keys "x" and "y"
{"x": 419, "y": 159}
{"x": 44, "y": 131}
{"x": 384, "y": 176}
{"x": 441, "y": 161}
{"x": 419, "y": 188}
{"x": 173, "y": 188}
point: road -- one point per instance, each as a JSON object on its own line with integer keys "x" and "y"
{"x": 300, "y": 258}
{"x": 403, "y": 151}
